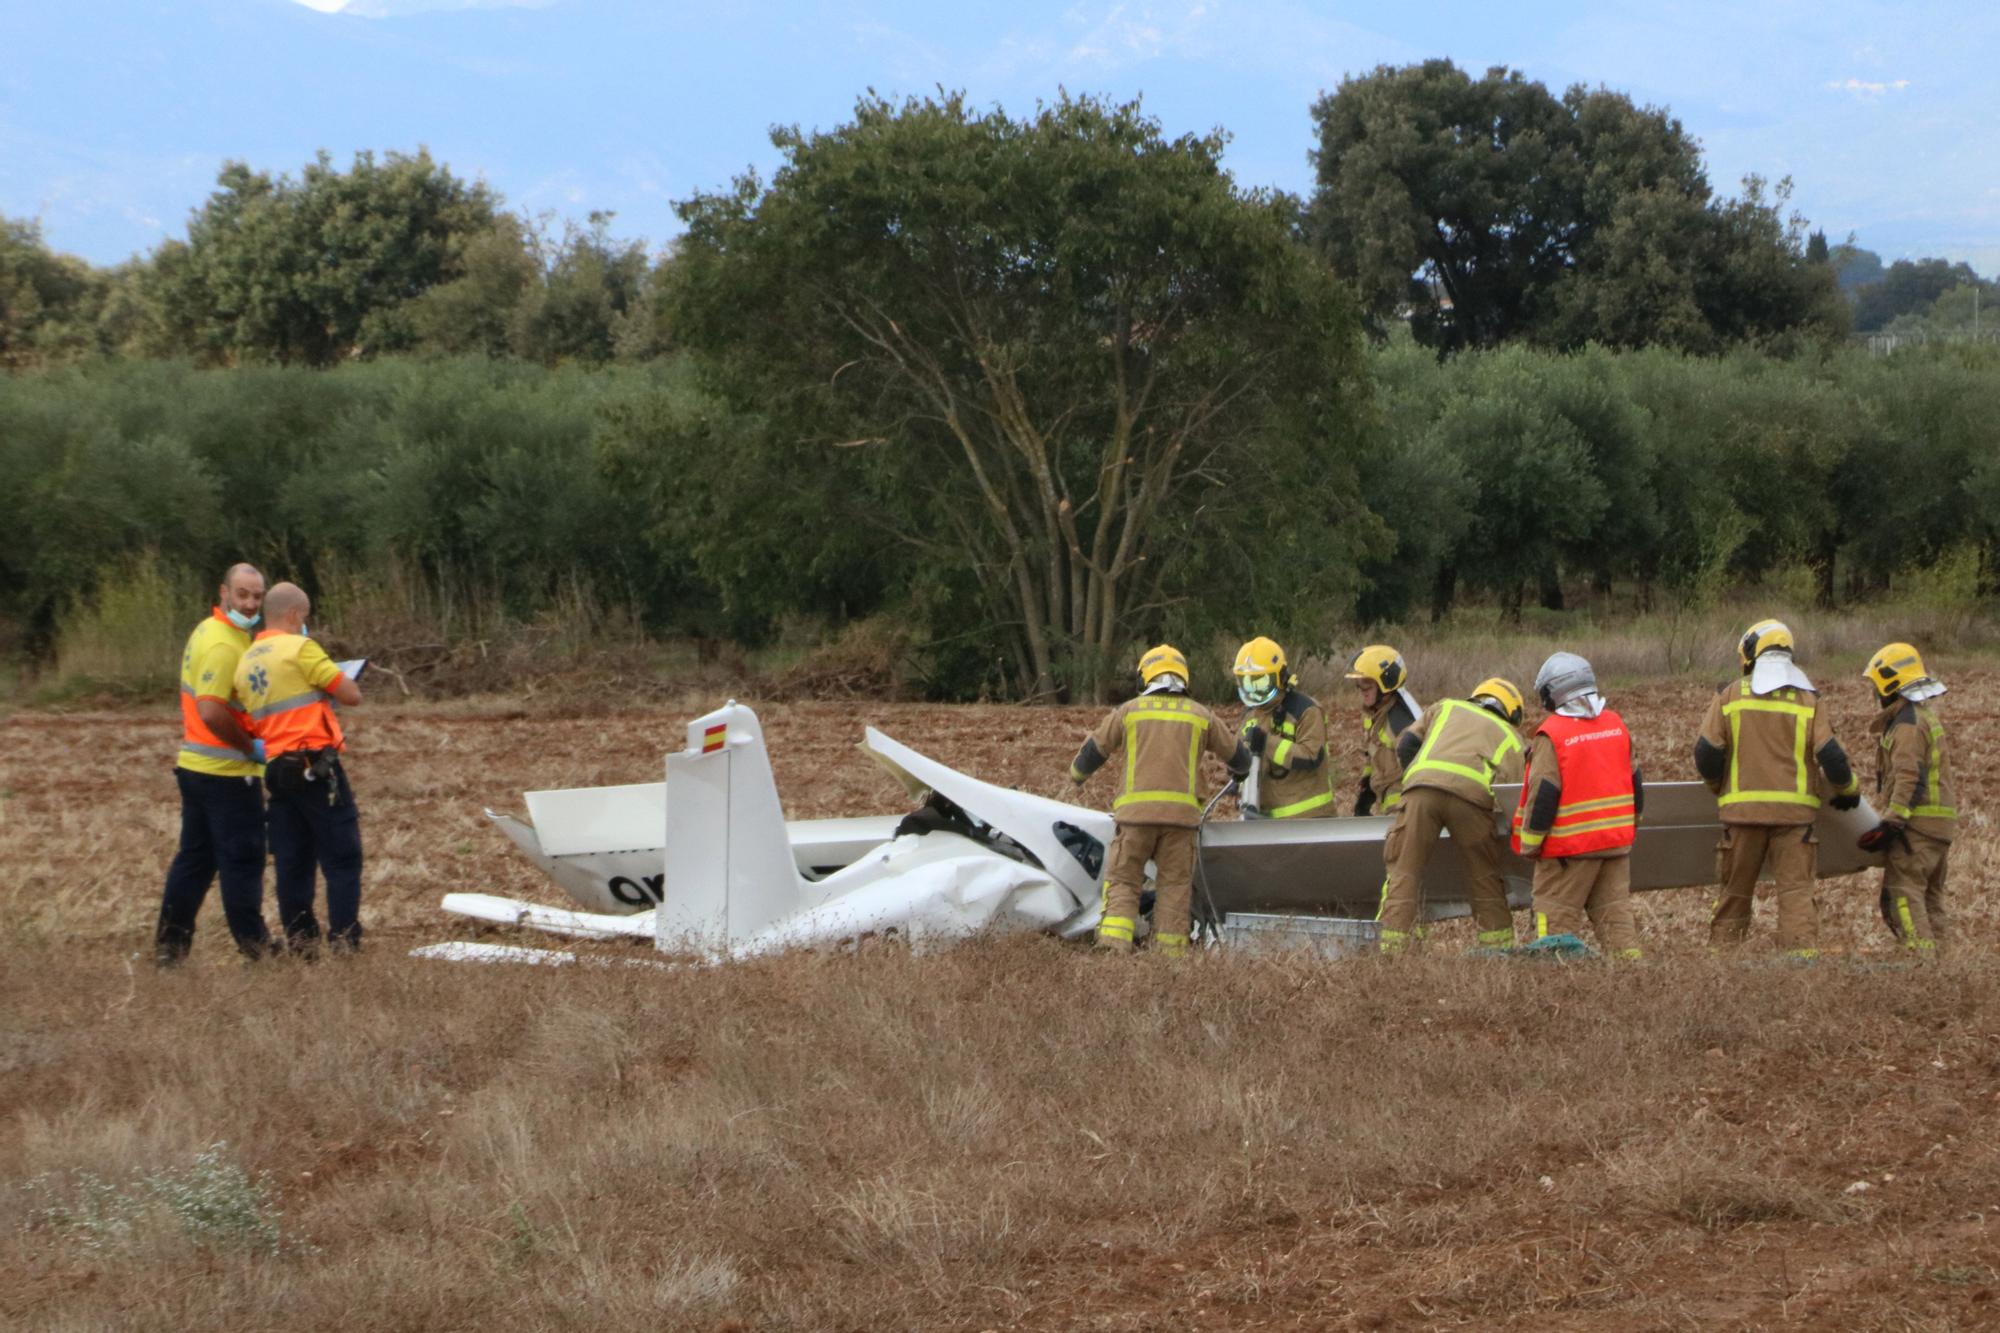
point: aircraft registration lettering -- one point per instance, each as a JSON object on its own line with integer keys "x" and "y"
{"x": 645, "y": 891}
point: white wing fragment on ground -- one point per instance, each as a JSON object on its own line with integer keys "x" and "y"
{"x": 465, "y": 951}
{"x": 554, "y": 920}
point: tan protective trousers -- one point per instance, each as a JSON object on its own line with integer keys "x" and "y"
{"x": 1171, "y": 849}
{"x": 1793, "y": 854}
{"x": 1423, "y": 814}
{"x": 1914, "y": 880}
{"x": 1574, "y": 887}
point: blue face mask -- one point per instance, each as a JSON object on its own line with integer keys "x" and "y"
{"x": 304, "y": 633}
{"x": 238, "y": 619}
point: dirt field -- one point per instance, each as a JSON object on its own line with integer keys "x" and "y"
{"x": 1013, "y": 1134}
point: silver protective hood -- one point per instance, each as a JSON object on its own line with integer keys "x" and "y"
{"x": 1564, "y": 677}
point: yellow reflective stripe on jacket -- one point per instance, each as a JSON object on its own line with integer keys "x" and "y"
{"x": 1300, "y": 807}
{"x": 1933, "y": 767}
{"x": 1176, "y": 797}
{"x": 1801, "y": 717}
{"x": 1508, "y": 740}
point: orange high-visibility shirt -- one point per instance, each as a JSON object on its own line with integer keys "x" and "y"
{"x": 208, "y": 671}
{"x": 282, "y": 681}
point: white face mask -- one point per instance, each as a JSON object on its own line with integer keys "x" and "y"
{"x": 241, "y": 621}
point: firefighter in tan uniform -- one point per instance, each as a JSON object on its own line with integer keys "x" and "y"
{"x": 1914, "y": 788}
{"x": 1162, "y": 735}
{"x": 1767, "y": 751}
{"x": 1388, "y": 709}
{"x": 1286, "y": 730}
{"x": 1449, "y": 761}
{"x": 1579, "y": 811}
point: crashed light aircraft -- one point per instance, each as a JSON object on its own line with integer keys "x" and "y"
{"x": 706, "y": 865}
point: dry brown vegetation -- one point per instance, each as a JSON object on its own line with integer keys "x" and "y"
{"x": 1009, "y": 1134}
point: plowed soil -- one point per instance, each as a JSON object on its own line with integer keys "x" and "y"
{"x": 1009, "y": 1134}
{"x": 91, "y": 812}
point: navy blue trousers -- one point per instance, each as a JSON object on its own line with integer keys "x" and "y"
{"x": 310, "y": 833}
{"x": 222, "y": 833}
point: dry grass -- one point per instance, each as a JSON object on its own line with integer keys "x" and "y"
{"x": 1472, "y": 644}
{"x": 1012, "y": 1134}
{"x": 1018, "y": 1134}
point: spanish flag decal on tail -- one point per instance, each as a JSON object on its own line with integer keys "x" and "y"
{"x": 713, "y": 738}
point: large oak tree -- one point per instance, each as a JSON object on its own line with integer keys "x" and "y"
{"x": 1064, "y": 354}
{"x": 1490, "y": 209}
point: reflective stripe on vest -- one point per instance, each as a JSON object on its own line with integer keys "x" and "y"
{"x": 1801, "y": 715}
{"x": 1198, "y": 726}
{"x": 1450, "y": 708}
{"x": 225, "y": 752}
{"x": 1595, "y": 811}
{"x": 1283, "y": 750}
{"x": 1312, "y": 802}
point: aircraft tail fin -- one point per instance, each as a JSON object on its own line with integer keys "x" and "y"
{"x": 729, "y": 865}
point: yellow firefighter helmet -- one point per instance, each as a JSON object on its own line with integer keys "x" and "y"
{"x": 1380, "y": 663}
{"x": 1761, "y": 638}
{"x": 1260, "y": 671}
{"x": 1501, "y": 692}
{"x": 1893, "y": 669}
{"x": 1161, "y": 660}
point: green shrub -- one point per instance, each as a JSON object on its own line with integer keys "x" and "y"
{"x": 131, "y": 631}
{"x": 213, "y": 1204}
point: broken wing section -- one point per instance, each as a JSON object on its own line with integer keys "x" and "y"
{"x": 609, "y": 880}
{"x": 1067, "y": 841}
{"x": 554, "y": 920}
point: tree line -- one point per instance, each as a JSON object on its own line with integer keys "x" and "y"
{"x": 1038, "y": 387}
{"x": 1474, "y": 210}
{"x": 1520, "y": 477}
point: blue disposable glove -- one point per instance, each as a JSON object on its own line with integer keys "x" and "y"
{"x": 257, "y": 750}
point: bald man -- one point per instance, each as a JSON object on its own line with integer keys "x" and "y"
{"x": 222, "y": 805}
{"x": 288, "y": 686}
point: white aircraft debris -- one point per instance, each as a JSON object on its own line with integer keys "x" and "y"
{"x": 724, "y": 875}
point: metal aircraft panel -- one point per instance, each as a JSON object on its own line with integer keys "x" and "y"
{"x": 1335, "y": 865}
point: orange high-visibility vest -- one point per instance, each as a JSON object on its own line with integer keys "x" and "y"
{"x": 282, "y": 681}
{"x": 1596, "y": 812}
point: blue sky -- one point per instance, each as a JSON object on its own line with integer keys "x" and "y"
{"x": 114, "y": 117}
